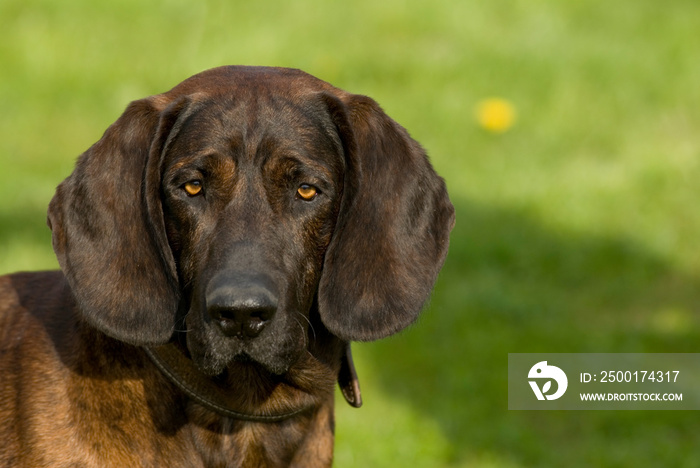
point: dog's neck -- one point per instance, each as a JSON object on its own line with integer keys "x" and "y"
{"x": 303, "y": 388}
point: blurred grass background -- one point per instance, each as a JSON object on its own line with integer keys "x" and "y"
{"x": 578, "y": 229}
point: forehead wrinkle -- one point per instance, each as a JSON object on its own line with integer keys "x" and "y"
{"x": 302, "y": 161}
{"x": 309, "y": 149}
{"x": 312, "y": 126}
{"x": 223, "y": 167}
{"x": 189, "y": 159}
{"x": 208, "y": 158}
{"x": 257, "y": 125}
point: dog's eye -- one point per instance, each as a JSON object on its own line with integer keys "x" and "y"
{"x": 193, "y": 187}
{"x": 307, "y": 192}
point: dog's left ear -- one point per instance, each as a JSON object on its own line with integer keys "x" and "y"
{"x": 392, "y": 233}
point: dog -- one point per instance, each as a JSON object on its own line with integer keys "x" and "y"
{"x": 220, "y": 247}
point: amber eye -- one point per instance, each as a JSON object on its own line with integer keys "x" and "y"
{"x": 193, "y": 187}
{"x": 307, "y": 192}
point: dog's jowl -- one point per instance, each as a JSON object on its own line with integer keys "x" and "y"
{"x": 220, "y": 247}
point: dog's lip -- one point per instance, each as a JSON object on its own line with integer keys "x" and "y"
{"x": 224, "y": 350}
{"x": 244, "y": 357}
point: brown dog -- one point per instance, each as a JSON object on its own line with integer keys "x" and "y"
{"x": 220, "y": 247}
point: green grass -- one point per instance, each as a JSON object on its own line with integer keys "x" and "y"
{"x": 577, "y": 230}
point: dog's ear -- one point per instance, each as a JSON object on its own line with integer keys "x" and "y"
{"x": 108, "y": 229}
{"x": 392, "y": 233}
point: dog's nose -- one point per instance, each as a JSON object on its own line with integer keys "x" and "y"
{"x": 242, "y": 312}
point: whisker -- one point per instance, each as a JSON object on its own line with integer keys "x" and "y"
{"x": 182, "y": 322}
{"x": 310, "y": 324}
{"x": 303, "y": 332}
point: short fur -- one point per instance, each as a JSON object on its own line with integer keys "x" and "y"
{"x": 143, "y": 263}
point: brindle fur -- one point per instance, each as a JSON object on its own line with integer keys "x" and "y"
{"x": 139, "y": 261}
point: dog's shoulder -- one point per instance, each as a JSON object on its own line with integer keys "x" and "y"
{"x": 31, "y": 289}
{"x": 32, "y": 304}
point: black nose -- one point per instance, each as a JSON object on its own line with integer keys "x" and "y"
{"x": 242, "y": 311}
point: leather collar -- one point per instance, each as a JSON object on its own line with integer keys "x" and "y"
{"x": 348, "y": 381}
{"x": 182, "y": 372}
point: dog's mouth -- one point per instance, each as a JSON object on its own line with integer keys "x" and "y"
{"x": 273, "y": 351}
{"x": 243, "y": 358}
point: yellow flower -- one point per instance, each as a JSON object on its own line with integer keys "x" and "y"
{"x": 495, "y": 115}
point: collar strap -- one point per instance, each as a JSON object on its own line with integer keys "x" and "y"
{"x": 182, "y": 372}
{"x": 348, "y": 381}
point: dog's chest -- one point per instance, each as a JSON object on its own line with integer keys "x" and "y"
{"x": 304, "y": 442}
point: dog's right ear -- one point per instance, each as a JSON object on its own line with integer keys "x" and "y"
{"x": 108, "y": 228}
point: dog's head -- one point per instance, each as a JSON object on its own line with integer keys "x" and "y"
{"x": 240, "y": 202}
